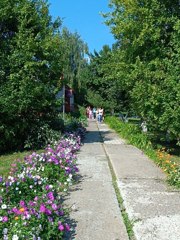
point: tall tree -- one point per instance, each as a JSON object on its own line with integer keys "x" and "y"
{"x": 74, "y": 51}
{"x": 145, "y": 32}
{"x": 30, "y": 56}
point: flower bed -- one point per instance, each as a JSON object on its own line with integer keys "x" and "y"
{"x": 31, "y": 203}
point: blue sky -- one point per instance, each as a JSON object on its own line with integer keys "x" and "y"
{"x": 82, "y": 16}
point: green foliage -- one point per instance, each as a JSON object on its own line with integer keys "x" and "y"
{"x": 74, "y": 62}
{"x": 103, "y": 87}
{"x": 130, "y": 132}
{"x": 174, "y": 178}
{"x": 33, "y": 55}
{"x": 146, "y": 60}
{"x": 41, "y": 136}
{"x": 29, "y": 57}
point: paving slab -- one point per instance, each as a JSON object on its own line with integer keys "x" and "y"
{"x": 134, "y": 166}
{"x": 96, "y": 214}
{"x": 151, "y": 204}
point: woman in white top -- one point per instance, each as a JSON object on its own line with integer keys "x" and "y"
{"x": 100, "y": 114}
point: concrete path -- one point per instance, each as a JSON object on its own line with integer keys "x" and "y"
{"x": 150, "y": 203}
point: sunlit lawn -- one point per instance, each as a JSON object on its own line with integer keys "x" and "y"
{"x": 7, "y": 159}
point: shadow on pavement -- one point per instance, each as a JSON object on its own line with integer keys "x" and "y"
{"x": 95, "y": 137}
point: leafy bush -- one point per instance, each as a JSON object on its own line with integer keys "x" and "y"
{"x": 40, "y": 136}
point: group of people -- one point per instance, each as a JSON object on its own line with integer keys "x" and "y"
{"x": 95, "y": 113}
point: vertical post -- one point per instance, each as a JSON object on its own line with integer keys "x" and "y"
{"x": 63, "y": 101}
{"x": 63, "y": 89}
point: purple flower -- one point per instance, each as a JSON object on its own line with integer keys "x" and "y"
{"x": 36, "y": 199}
{"x": 54, "y": 206}
{"x": 31, "y": 203}
{"x": 50, "y": 219}
{"x": 5, "y": 219}
{"x": 61, "y": 213}
{"x": 22, "y": 203}
{"x": 67, "y": 227}
{"x": 50, "y": 196}
{"x": 42, "y": 208}
{"x": 48, "y": 211}
{"x": 61, "y": 227}
{"x": 15, "y": 210}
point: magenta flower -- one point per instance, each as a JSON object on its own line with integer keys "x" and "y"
{"x": 54, "y": 206}
{"x": 36, "y": 199}
{"x": 48, "y": 211}
{"x": 22, "y": 203}
{"x": 67, "y": 227}
{"x": 50, "y": 196}
{"x": 42, "y": 208}
{"x": 61, "y": 227}
{"x": 5, "y": 219}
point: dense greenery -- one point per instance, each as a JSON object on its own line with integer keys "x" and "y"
{"x": 141, "y": 71}
{"x": 139, "y": 74}
{"x": 33, "y": 56}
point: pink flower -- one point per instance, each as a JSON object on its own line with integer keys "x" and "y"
{"x": 42, "y": 208}
{"x": 36, "y": 199}
{"x": 22, "y": 203}
{"x": 54, "y": 206}
{"x": 5, "y": 219}
{"x": 67, "y": 227}
{"x": 61, "y": 227}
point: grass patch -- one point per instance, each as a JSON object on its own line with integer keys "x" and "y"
{"x": 7, "y": 159}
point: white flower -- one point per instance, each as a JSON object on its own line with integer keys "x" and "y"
{"x": 28, "y": 216}
{"x": 1, "y": 219}
{"x": 73, "y": 207}
{"x": 17, "y": 188}
{"x": 5, "y": 231}
{"x": 67, "y": 151}
{"x": 21, "y": 175}
{"x": 3, "y": 206}
{"x": 15, "y": 237}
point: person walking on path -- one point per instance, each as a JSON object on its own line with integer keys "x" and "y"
{"x": 100, "y": 115}
{"x": 94, "y": 112}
